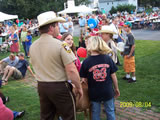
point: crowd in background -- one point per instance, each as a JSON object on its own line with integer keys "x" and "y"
{"x": 13, "y": 35}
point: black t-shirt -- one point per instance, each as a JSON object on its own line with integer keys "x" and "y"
{"x": 22, "y": 66}
{"x": 98, "y": 70}
{"x": 129, "y": 42}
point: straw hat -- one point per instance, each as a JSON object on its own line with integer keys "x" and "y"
{"x": 107, "y": 29}
{"x": 48, "y": 17}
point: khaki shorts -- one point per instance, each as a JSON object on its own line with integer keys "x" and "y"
{"x": 3, "y": 66}
{"x": 129, "y": 64}
{"x": 17, "y": 74}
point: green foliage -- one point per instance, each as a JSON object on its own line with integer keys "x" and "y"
{"x": 149, "y": 10}
{"x": 31, "y": 8}
{"x": 113, "y": 10}
{"x": 78, "y": 2}
{"x": 146, "y": 3}
{"x": 125, "y": 7}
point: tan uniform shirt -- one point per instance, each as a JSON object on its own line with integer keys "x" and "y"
{"x": 49, "y": 57}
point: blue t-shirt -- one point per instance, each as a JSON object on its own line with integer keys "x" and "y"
{"x": 29, "y": 37}
{"x": 11, "y": 62}
{"x": 82, "y": 22}
{"x": 22, "y": 66}
{"x": 98, "y": 70}
{"x": 62, "y": 29}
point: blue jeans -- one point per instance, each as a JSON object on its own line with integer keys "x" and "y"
{"x": 24, "y": 47}
{"x": 15, "y": 114}
{"x": 109, "y": 109}
{"x": 27, "y": 49}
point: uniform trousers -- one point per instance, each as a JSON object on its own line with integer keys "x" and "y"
{"x": 56, "y": 98}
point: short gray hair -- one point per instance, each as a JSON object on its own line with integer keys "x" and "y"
{"x": 21, "y": 54}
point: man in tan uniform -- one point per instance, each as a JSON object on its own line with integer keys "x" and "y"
{"x": 53, "y": 63}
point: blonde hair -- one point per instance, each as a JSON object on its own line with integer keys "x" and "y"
{"x": 98, "y": 45}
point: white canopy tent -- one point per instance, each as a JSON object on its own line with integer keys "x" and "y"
{"x": 4, "y": 16}
{"x": 77, "y": 9}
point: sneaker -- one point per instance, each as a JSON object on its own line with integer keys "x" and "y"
{"x": 7, "y": 99}
{"x": 20, "y": 114}
{"x": 124, "y": 78}
{"x": 131, "y": 80}
{"x": 3, "y": 83}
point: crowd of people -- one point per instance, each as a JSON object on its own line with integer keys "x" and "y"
{"x": 57, "y": 66}
{"x": 12, "y": 37}
{"x": 118, "y": 39}
{"x": 15, "y": 65}
{"x": 98, "y": 70}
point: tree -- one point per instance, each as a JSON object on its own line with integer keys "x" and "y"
{"x": 31, "y": 8}
{"x": 113, "y": 10}
{"x": 125, "y": 7}
{"x": 78, "y": 2}
{"x": 145, "y": 3}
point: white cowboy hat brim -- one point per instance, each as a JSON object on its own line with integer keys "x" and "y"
{"x": 57, "y": 19}
{"x": 106, "y": 31}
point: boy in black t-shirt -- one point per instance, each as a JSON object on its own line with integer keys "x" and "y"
{"x": 99, "y": 71}
{"x": 129, "y": 59}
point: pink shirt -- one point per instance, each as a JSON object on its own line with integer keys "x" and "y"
{"x": 5, "y": 113}
{"x": 78, "y": 63}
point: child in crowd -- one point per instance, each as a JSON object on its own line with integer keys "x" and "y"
{"x": 13, "y": 41}
{"x": 129, "y": 59}
{"x": 68, "y": 38}
{"x": 28, "y": 42}
{"x": 99, "y": 71}
{"x": 23, "y": 38}
{"x": 81, "y": 40}
{"x": 107, "y": 33}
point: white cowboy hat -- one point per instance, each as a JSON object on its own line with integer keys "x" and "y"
{"x": 106, "y": 29}
{"x": 48, "y": 17}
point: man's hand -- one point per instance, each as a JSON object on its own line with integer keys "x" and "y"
{"x": 79, "y": 92}
{"x": 117, "y": 93}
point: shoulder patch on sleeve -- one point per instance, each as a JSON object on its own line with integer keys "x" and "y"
{"x": 66, "y": 47}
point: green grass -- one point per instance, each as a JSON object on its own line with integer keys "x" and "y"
{"x": 23, "y": 97}
{"x": 147, "y": 72}
{"x": 146, "y": 89}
